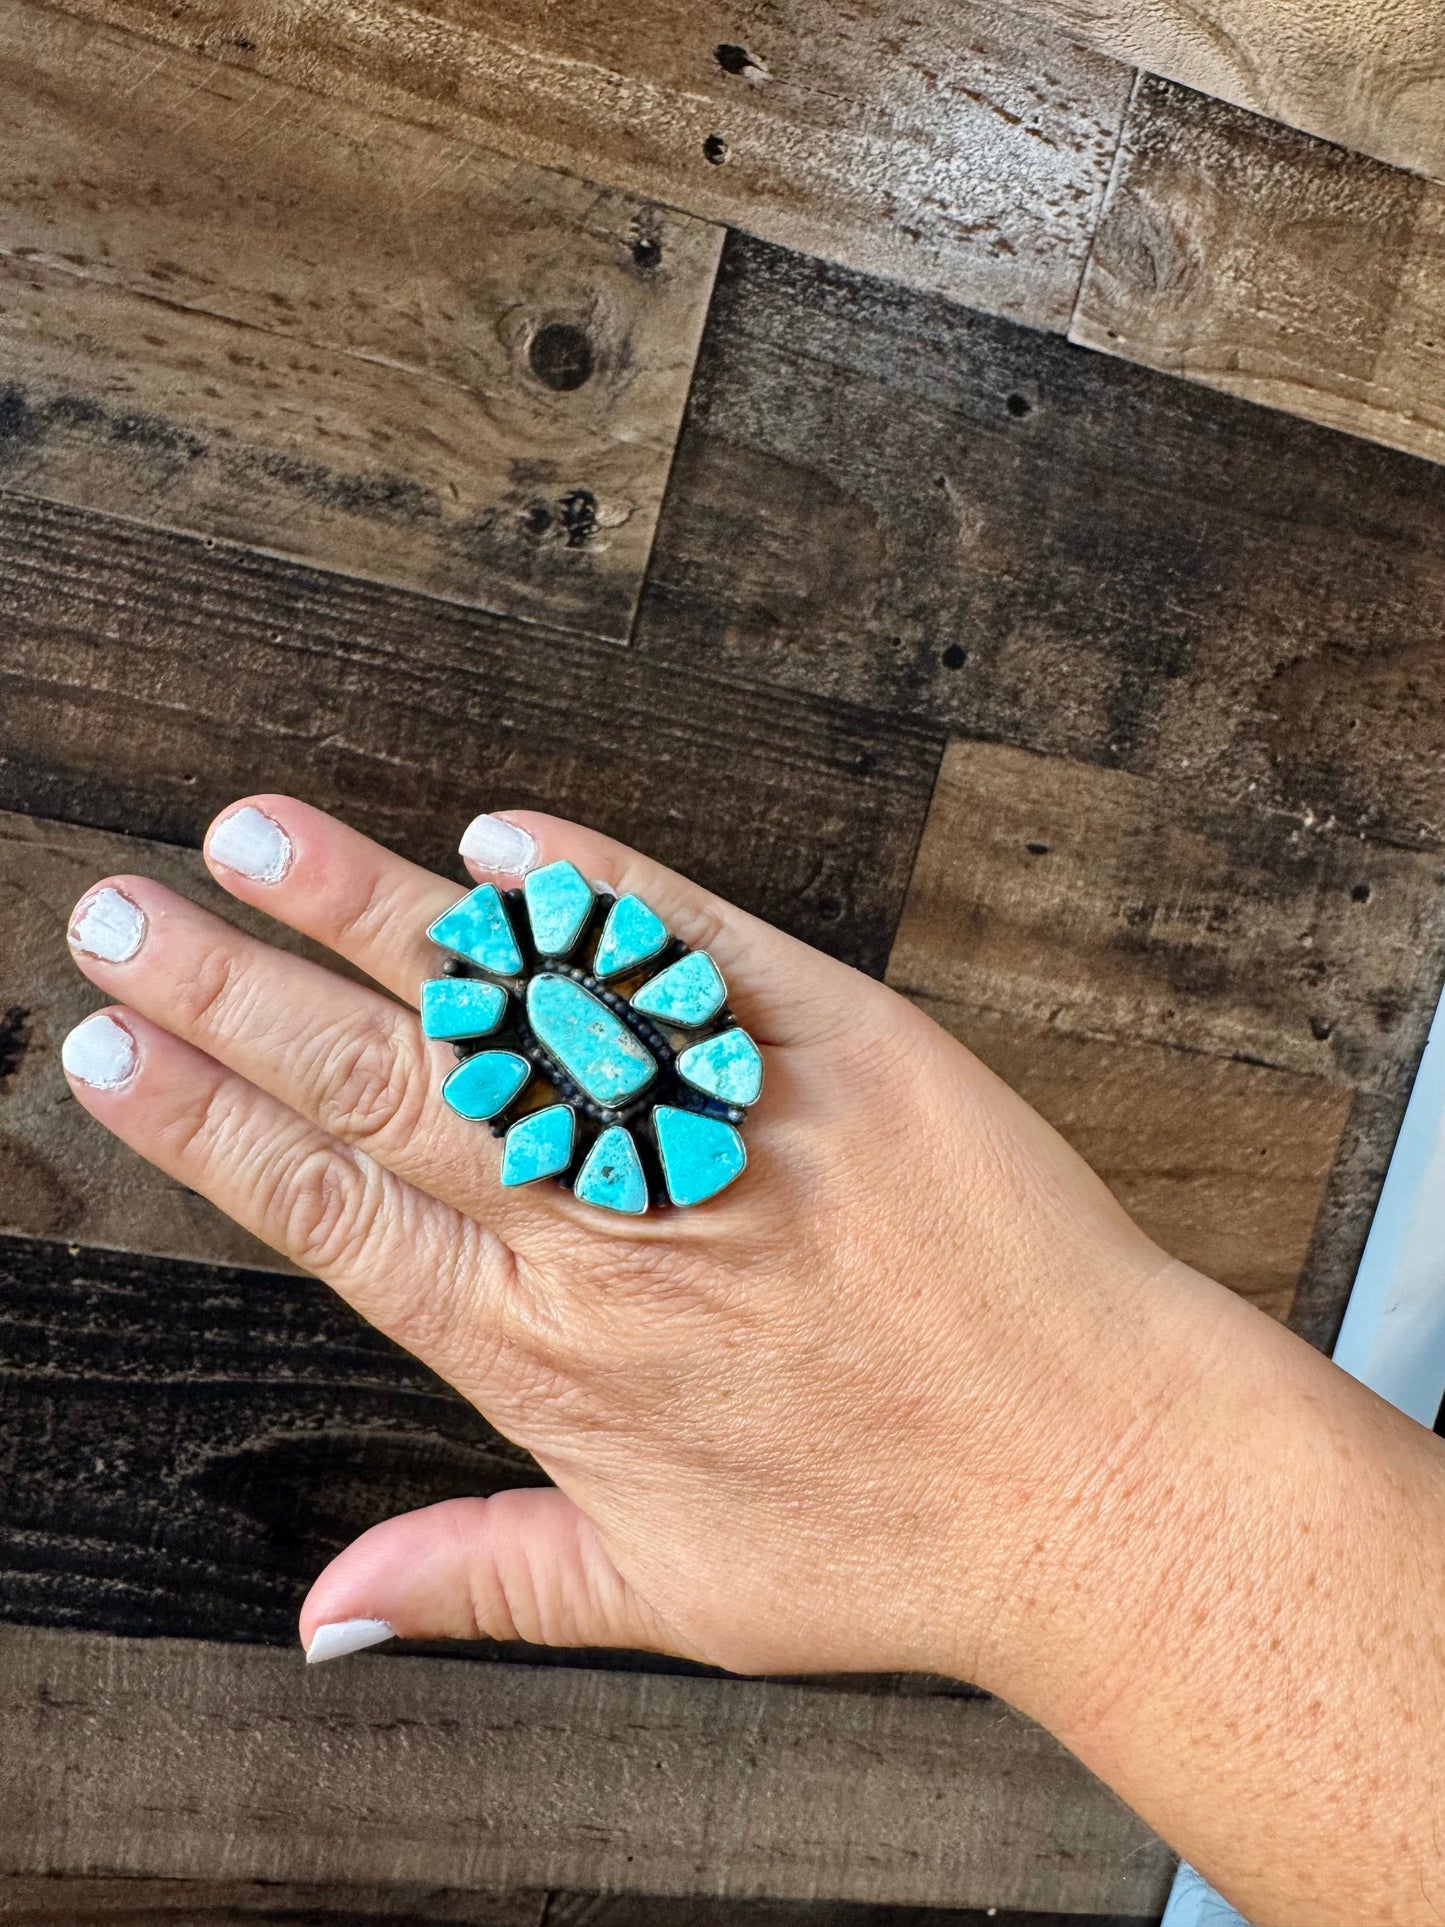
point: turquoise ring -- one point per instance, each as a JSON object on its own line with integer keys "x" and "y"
{"x": 596, "y": 1046}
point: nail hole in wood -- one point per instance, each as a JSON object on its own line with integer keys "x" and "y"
{"x": 715, "y": 149}
{"x": 954, "y": 656}
{"x": 1037, "y": 849}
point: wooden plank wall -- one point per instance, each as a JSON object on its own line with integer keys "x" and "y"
{"x": 352, "y": 442}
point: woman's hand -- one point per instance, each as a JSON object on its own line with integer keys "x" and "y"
{"x": 807, "y": 1425}
{"x": 915, "y": 1394}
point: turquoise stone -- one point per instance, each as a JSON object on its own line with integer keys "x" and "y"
{"x": 728, "y": 1066}
{"x": 632, "y": 935}
{"x": 700, "y": 1155}
{"x": 460, "y": 1007}
{"x": 559, "y": 901}
{"x": 593, "y": 1046}
{"x": 486, "y": 1083}
{"x": 612, "y": 1174}
{"x": 479, "y": 929}
{"x": 539, "y": 1146}
{"x": 686, "y": 993}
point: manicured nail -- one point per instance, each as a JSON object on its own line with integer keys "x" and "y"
{"x": 100, "y": 1052}
{"x": 108, "y": 926}
{"x": 345, "y": 1636}
{"x": 252, "y": 844}
{"x": 494, "y": 844}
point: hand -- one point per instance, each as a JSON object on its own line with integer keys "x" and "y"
{"x": 811, "y": 1424}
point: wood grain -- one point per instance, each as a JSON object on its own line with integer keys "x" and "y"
{"x": 164, "y": 1759}
{"x": 42, "y": 1902}
{"x": 882, "y": 498}
{"x": 962, "y": 146}
{"x": 1242, "y": 254}
{"x": 230, "y": 306}
{"x": 148, "y": 678}
{"x": 1223, "y": 1163}
{"x": 1366, "y": 74}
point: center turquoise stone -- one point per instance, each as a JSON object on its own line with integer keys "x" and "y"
{"x": 592, "y": 1045}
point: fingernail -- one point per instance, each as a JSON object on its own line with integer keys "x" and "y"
{"x": 494, "y": 844}
{"x": 100, "y": 1052}
{"x": 108, "y": 926}
{"x": 252, "y": 844}
{"x": 345, "y": 1636}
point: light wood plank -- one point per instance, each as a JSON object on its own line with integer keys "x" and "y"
{"x": 168, "y": 1759}
{"x": 1224, "y": 1164}
{"x": 231, "y": 306}
{"x": 1250, "y": 257}
{"x": 963, "y": 147}
{"x": 1367, "y": 74}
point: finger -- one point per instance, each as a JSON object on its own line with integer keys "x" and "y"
{"x": 329, "y": 882}
{"x": 415, "y": 1268}
{"x": 522, "y": 1565}
{"x": 784, "y": 991}
{"x": 347, "y": 1058}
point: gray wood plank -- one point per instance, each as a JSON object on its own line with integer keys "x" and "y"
{"x": 961, "y": 145}
{"x": 168, "y": 1759}
{"x": 230, "y": 306}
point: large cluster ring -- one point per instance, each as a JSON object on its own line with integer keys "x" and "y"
{"x": 623, "y": 1077}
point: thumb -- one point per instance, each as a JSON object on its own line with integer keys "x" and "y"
{"x": 522, "y": 1565}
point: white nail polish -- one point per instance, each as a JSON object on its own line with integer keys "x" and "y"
{"x": 100, "y": 1052}
{"x": 252, "y": 844}
{"x": 345, "y": 1636}
{"x": 108, "y": 926}
{"x": 493, "y": 844}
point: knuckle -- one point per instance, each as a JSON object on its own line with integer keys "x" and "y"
{"x": 329, "y": 1210}
{"x": 371, "y": 1089}
{"x": 208, "y": 991}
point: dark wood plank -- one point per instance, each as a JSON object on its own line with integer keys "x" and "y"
{"x": 961, "y": 145}
{"x": 1248, "y": 256}
{"x": 232, "y": 307}
{"x": 42, "y": 1902}
{"x": 50, "y": 1901}
{"x": 187, "y": 1760}
{"x": 881, "y": 497}
{"x": 1370, "y": 77}
{"x": 148, "y": 678}
{"x": 187, "y": 1445}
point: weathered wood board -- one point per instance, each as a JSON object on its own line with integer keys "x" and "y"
{"x": 230, "y": 306}
{"x": 1196, "y": 998}
{"x": 1242, "y": 254}
{"x": 883, "y": 498}
{"x": 147, "y": 679}
{"x": 1367, "y": 74}
{"x": 186, "y": 1446}
{"x": 42, "y": 1902}
{"x": 165, "y": 1759}
{"x": 1223, "y": 1163}
{"x": 962, "y": 146}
